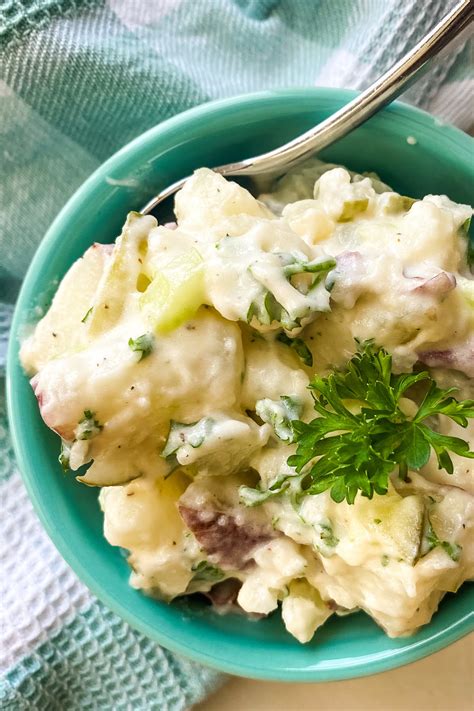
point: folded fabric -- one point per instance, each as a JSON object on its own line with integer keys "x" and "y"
{"x": 79, "y": 79}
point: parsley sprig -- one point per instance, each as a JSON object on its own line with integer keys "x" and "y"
{"x": 363, "y": 432}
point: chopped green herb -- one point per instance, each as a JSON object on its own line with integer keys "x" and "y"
{"x": 385, "y": 560}
{"x": 347, "y": 452}
{"x": 327, "y": 535}
{"x": 266, "y": 309}
{"x": 205, "y": 571}
{"x": 316, "y": 266}
{"x": 279, "y": 414}
{"x": 143, "y": 345}
{"x": 64, "y": 455}
{"x": 430, "y": 540}
{"x": 299, "y": 346}
{"x": 377, "y": 521}
{"x": 254, "y": 497}
{"x": 88, "y": 426}
{"x": 181, "y": 434}
{"x": 86, "y": 315}
{"x": 464, "y": 229}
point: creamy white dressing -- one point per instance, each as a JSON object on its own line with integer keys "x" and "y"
{"x": 175, "y": 399}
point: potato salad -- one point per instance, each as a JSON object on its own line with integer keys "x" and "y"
{"x": 274, "y": 396}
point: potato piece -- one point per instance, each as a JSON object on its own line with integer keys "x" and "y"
{"x": 121, "y": 280}
{"x": 272, "y": 369}
{"x": 277, "y": 564}
{"x": 342, "y": 199}
{"x": 124, "y": 464}
{"x": 429, "y": 234}
{"x": 63, "y": 329}
{"x": 144, "y": 513}
{"x": 228, "y": 533}
{"x": 133, "y": 400}
{"x": 303, "y": 610}
{"x": 207, "y": 198}
{"x": 308, "y": 220}
{"x": 466, "y": 287}
{"x": 296, "y": 185}
{"x": 143, "y": 518}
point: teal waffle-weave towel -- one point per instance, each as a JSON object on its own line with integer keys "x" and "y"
{"x": 80, "y": 78}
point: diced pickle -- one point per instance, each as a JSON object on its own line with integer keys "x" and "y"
{"x": 391, "y": 203}
{"x": 398, "y": 520}
{"x": 351, "y": 208}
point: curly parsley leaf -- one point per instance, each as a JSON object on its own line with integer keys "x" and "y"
{"x": 363, "y": 434}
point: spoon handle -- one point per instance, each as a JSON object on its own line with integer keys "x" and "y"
{"x": 381, "y": 92}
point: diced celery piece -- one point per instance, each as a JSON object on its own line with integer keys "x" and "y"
{"x": 175, "y": 293}
{"x": 351, "y": 208}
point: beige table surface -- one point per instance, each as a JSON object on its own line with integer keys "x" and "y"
{"x": 442, "y": 682}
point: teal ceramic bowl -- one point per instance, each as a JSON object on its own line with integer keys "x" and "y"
{"x": 439, "y": 162}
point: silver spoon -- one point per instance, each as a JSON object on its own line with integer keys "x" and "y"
{"x": 378, "y": 94}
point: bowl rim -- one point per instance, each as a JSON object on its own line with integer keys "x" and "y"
{"x": 376, "y": 663}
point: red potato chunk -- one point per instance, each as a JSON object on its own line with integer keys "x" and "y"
{"x": 459, "y": 358}
{"x": 436, "y": 285}
{"x": 224, "y": 594}
{"x": 64, "y": 429}
{"x": 228, "y": 532}
{"x": 229, "y": 539}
